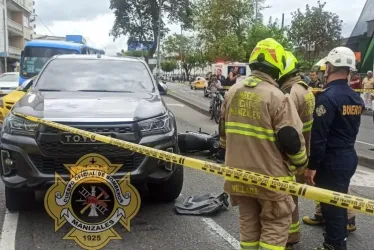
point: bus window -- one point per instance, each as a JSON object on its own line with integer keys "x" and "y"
{"x": 35, "y": 58}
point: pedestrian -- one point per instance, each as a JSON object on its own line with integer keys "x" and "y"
{"x": 368, "y": 84}
{"x": 214, "y": 86}
{"x": 292, "y": 84}
{"x": 333, "y": 159}
{"x": 355, "y": 81}
{"x": 220, "y": 77}
{"x": 315, "y": 82}
{"x": 262, "y": 133}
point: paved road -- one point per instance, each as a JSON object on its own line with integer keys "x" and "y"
{"x": 365, "y": 139}
{"x": 158, "y": 227}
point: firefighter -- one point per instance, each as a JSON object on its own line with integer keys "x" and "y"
{"x": 292, "y": 84}
{"x": 262, "y": 133}
{"x": 333, "y": 159}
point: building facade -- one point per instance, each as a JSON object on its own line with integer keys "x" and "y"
{"x": 16, "y": 28}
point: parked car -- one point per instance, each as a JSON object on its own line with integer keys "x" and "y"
{"x": 199, "y": 83}
{"x": 7, "y": 102}
{"x": 8, "y": 82}
{"x": 114, "y": 96}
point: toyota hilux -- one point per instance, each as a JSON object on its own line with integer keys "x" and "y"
{"x": 112, "y": 96}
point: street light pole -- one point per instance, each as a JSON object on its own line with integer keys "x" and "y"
{"x": 158, "y": 39}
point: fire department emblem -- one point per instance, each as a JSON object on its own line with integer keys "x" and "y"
{"x": 320, "y": 110}
{"x": 92, "y": 201}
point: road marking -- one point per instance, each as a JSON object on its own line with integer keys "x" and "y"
{"x": 175, "y": 104}
{"x": 365, "y": 143}
{"x": 8, "y": 233}
{"x": 222, "y": 233}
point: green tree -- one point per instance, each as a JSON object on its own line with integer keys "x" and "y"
{"x": 168, "y": 65}
{"x": 216, "y": 19}
{"x": 138, "y": 19}
{"x": 260, "y": 31}
{"x": 314, "y": 32}
{"x": 133, "y": 53}
{"x": 188, "y": 51}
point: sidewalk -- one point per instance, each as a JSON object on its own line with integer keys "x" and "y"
{"x": 365, "y": 157}
{"x": 192, "y": 105}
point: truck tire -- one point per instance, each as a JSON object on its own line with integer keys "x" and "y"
{"x": 17, "y": 200}
{"x": 169, "y": 190}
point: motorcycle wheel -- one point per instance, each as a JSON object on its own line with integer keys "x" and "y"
{"x": 216, "y": 111}
{"x": 205, "y": 93}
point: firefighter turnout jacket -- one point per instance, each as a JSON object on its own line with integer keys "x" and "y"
{"x": 263, "y": 134}
{"x": 305, "y": 103}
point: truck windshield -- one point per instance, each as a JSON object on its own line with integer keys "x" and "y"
{"x": 91, "y": 75}
{"x": 34, "y": 59}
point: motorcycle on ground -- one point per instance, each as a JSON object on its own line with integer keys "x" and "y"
{"x": 193, "y": 142}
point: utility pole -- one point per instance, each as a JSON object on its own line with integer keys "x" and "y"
{"x": 180, "y": 49}
{"x": 159, "y": 38}
{"x": 282, "y": 20}
{"x": 256, "y": 9}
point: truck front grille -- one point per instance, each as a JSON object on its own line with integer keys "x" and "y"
{"x": 47, "y": 165}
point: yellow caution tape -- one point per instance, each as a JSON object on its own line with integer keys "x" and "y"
{"x": 357, "y": 90}
{"x": 238, "y": 175}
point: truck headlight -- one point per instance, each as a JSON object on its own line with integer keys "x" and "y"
{"x": 19, "y": 126}
{"x": 157, "y": 125}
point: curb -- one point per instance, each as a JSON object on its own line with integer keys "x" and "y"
{"x": 362, "y": 160}
{"x": 189, "y": 104}
{"x": 365, "y": 161}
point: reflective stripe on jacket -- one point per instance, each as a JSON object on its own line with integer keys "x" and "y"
{"x": 252, "y": 113}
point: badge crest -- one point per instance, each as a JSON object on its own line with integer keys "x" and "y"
{"x": 320, "y": 110}
{"x": 92, "y": 201}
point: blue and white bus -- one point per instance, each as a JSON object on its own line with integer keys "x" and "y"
{"x": 37, "y": 52}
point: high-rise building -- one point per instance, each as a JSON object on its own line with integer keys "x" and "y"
{"x": 16, "y": 28}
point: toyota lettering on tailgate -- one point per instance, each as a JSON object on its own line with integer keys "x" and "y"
{"x": 75, "y": 139}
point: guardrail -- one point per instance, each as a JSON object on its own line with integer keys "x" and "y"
{"x": 271, "y": 183}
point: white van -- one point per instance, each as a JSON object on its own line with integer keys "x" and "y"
{"x": 226, "y": 67}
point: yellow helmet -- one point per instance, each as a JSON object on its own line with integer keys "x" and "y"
{"x": 270, "y": 53}
{"x": 322, "y": 67}
{"x": 292, "y": 64}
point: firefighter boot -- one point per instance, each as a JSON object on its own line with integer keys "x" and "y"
{"x": 317, "y": 220}
{"x": 291, "y": 246}
{"x": 351, "y": 227}
{"x": 331, "y": 247}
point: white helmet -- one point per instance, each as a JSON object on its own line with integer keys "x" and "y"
{"x": 342, "y": 57}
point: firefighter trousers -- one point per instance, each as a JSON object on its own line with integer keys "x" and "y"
{"x": 294, "y": 230}
{"x": 264, "y": 224}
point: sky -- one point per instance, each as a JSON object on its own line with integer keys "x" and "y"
{"x": 93, "y": 19}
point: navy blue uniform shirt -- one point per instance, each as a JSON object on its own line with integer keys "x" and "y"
{"x": 337, "y": 120}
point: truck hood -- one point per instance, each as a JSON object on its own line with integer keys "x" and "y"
{"x": 91, "y": 106}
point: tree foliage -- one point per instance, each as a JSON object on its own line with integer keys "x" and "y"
{"x": 315, "y": 27}
{"x": 133, "y": 53}
{"x": 168, "y": 65}
{"x": 261, "y": 31}
{"x": 217, "y": 19}
{"x": 138, "y": 19}
{"x": 188, "y": 50}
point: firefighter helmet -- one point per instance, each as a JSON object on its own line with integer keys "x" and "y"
{"x": 292, "y": 64}
{"x": 269, "y": 53}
